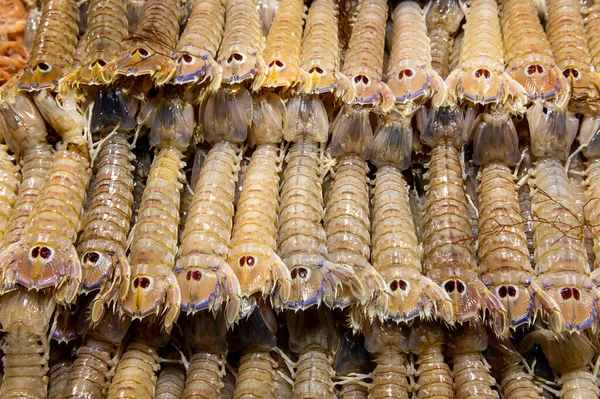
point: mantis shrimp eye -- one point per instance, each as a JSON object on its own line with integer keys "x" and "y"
{"x": 235, "y": 56}
{"x": 196, "y": 275}
{"x": 403, "y": 285}
{"x": 566, "y": 293}
{"x": 394, "y": 285}
{"x": 186, "y": 58}
{"x": 576, "y": 293}
{"x": 250, "y": 260}
{"x": 91, "y": 257}
{"x": 460, "y": 287}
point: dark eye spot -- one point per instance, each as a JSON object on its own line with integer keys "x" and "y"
{"x": 294, "y": 273}
{"x": 502, "y": 292}
{"x": 250, "y": 260}
{"x": 449, "y": 286}
{"x": 238, "y": 57}
{"x": 101, "y": 63}
{"x": 144, "y": 282}
{"x": 571, "y": 72}
{"x": 403, "y": 285}
{"x": 279, "y": 63}
{"x": 394, "y": 285}
{"x": 45, "y": 252}
{"x": 540, "y": 69}
{"x": 143, "y": 52}
{"x": 242, "y": 261}
{"x": 315, "y": 69}
{"x": 576, "y": 293}
{"x": 35, "y": 252}
{"x": 44, "y": 67}
{"x": 136, "y": 283}
{"x": 531, "y": 69}
{"x": 197, "y": 275}
{"x": 188, "y": 275}
{"x": 482, "y": 72}
{"x": 302, "y": 272}
{"x": 406, "y": 72}
{"x": 460, "y": 287}
{"x": 91, "y": 257}
{"x": 187, "y": 58}
{"x": 566, "y": 293}
{"x": 512, "y": 291}
{"x": 365, "y": 80}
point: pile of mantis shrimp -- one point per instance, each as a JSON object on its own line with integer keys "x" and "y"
{"x": 301, "y": 199}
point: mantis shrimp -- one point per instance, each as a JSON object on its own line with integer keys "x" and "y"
{"x": 54, "y": 46}
{"x": 410, "y": 75}
{"x": 480, "y": 77}
{"x": 282, "y": 51}
{"x": 25, "y": 317}
{"x": 443, "y": 21}
{"x": 363, "y": 62}
{"x": 321, "y": 50}
{"x": 529, "y": 58}
{"x": 561, "y": 262}
{"x": 198, "y": 45}
{"x": 503, "y": 253}
{"x": 150, "y": 47}
{"x": 252, "y": 254}
{"x": 154, "y": 290}
{"x": 243, "y": 43}
{"x": 572, "y": 56}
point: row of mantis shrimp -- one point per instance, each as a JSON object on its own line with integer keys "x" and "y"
{"x": 281, "y": 242}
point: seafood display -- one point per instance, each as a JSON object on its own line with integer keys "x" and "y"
{"x": 298, "y": 199}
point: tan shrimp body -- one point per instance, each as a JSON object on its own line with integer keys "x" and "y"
{"x": 443, "y": 21}
{"x": 241, "y": 51}
{"x": 204, "y": 376}
{"x": 363, "y": 61}
{"x": 569, "y": 44}
{"x": 449, "y": 257}
{"x": 135, "y": 376}
{"x": 592, "y": 215}
{"x": 321, "y": 50}
{"x": 170, "y": 383}
{"x": 45, "y": 256}
{"x": 283, "y": 47}
{"x": 592, "y": 29}
{"x": 529, "y": 58}
{"x": 10, "y": 179}
{"x": 256, "y": 375}
{"x": 25, "y": 317}
{"x": 560, "y": 254}
{"x": 199, "y": 42}
{"x": 396, "y": 254}
{"x": 253, "y": 246}
{"x": 107, "y": 29}
{"x": 433, "y": 374}
{"x": 579, "y": 186}
{"x": 154, "y": 290}
{"x": 53, "y": 50}
{"x": 480, "y": 77}
{"x": 206, "y": 279}
{"x": 103, "y": 238}
{"x": 504, "y": 263}
{"x": 302, "y": 241}
{"x": 470, "y": 370}
{"x": 410, "y": 74}
{"x": 387, "y": 344}
{"x": 150, "y": 47}
{"x": 569, "y": 356}
{"x": 57, "y": 379}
